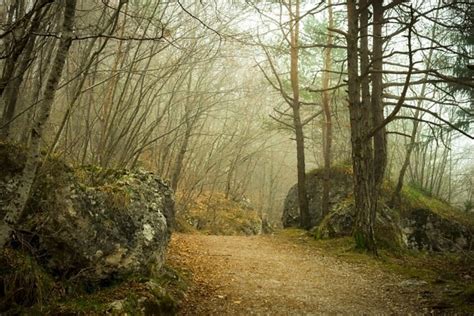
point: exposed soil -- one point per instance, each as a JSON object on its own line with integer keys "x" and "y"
{"x": 271, "y": 275}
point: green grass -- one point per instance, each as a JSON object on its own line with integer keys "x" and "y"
{"x": 415, "y": 198}
{"x": 336, "y": 170}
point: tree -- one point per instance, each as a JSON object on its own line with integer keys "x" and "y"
{"x": 327, "y": 124}
{"x": 19, "y": 60}
{"x": 291, "y": 36}
{"x": 16, "y": 207}
{"x": 368, "y": 135}
{"x": 441, "y": 101}
{"x": 297, "y": 122}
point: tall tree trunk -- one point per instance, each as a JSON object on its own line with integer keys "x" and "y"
{"x": 424, "y": 149}
{"x": 380, "y": 137}
{"x": 362, "y": 151}
{"x": 107, "y": 104}
{"x": 396, "y": 196}
{"x": 305, "y": 220}
{"x": 14, "y": 49}
{"x": 87, "y": 62}
{"x": 433, "y": 162}
{"x": 41, "y": 71}
{"x": 15, "y": 209}
{"x": 327, "y": 127}
{"x": 442, "y": 167}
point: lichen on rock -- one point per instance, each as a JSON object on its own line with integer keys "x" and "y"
{"x": 426, "y": 230}
{"x": 94, "y": 224}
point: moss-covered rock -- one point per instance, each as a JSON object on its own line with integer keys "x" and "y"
{"x": 426, "y": 230}
{"x": 137, "y": 295}
{"x": 89, "y": 237}
{"x": 340, "y": 221}
{"x": 91, "y": 224}
{"x": 341, "y": 188}
{"x": 421, "y": 222}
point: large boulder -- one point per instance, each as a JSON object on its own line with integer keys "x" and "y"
{"x": 340, "y": 221}
{"x": 341, "y": 188}
{"x": 93, "y": 224}
{"x": 419, "y": 229}
{"x": 439, "y": 228}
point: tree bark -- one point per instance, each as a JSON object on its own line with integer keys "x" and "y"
{"x": 380, "y": 139}
{"x": 327, "y": 127}
{"x": 16, "y": 207}
{"x": 376, "y": 102}
{"x": 305, "y": 221}
{"x": 362, "y": 151}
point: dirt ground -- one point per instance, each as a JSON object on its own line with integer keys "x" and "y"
{"x": 268, "y": 275}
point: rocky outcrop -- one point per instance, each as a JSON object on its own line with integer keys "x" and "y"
{"x": 93, "y": 224}
{"x": 341, "y": 184}
{"x": 419, "y": 229}
{"x": 340, "y": 221}
{"x": 425, "y": 230}
{"x": 412, "y": 227}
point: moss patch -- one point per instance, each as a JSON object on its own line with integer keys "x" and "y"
{"x": 95, "y": 176}
{"x": 340, "y": 170}
{"x": 135, "y": 296}
{"x": 27, "y": 288}
{"x": 214, "y": 214}
{"x": 414, "y": 198}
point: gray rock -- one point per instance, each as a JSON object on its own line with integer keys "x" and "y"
{"x": 341, "y": 184}
{"x": 426, "y": 230}
{"x": 340, "y": 221}
{"x": 114, "y": 224}
{"x": 337, "y": 223}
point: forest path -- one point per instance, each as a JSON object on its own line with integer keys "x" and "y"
{"x": 273, "y": 275}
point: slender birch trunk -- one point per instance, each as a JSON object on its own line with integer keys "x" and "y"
{"x": 16, "y": 207}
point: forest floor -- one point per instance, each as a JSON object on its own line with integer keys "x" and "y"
{"x": 274, "y": 275}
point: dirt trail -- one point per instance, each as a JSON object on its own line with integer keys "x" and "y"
{"x": 267, "y": 275}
